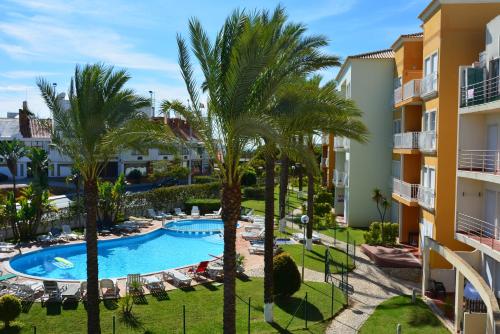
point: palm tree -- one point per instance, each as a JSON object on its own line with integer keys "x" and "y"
{"x": 103, "y": 118}
{"x": 12, "y": 151}
{"x": 250, "y": 58}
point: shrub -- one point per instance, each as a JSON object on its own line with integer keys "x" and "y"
{"x": 10, "y": 309}
{"x": 322, "y": 209}
{"x": 249, "y": 178}
{"x": 134, "y": 174}
{"x": 254, "y": 192}
{"x": 206, "y": 205}
{"x": 204, "y": 179}
{"x": 374, "y": 235}
{"x": 324, "y": 197}
{"x": 286, "y": 276}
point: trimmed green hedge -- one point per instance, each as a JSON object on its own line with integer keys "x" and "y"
{"x": 286, "y": 276}
{"x": 254, "y": 192}
{"x": 206, "y": 205}
{"x": 203, "y": 179}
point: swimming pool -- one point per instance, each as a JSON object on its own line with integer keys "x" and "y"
{"x": 196, "y": 226}
{"x": 152, "y": 252}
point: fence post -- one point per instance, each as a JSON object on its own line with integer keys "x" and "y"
{"x": 354, "y": 254}
{"x": 34, "y": 329}
{"x": 114, "y": 325}
{"x": 335, "y": 236}
{"x": 184, "y": 319}
{"x": 305, "y": 309}
{"x": 249, "y": 301}
{"x": 333, "y": 299}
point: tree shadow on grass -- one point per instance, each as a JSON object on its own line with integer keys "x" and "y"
{"x": 14, "y": 328}
{"x": 243, "y": 277}
{"x": 160, "y": 294}
{"x": 140, "y": 299}
{"x": 291, "y": 306}
{"x": 53, "y": 308}
{"x": 110, "y": 304}
{"x": 131, "y": 320}
{"x": 70, "y": 305}
{"x": 26, "y": 305}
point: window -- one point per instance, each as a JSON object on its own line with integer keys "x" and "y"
{"x": 431, "y": 64}
{"x": 429, "y": 177}
{"x": 396, "y": 126}
{"x": 396, "y": 169}
{"x": 429, "y": 121}
{"x": 429, "y": 83}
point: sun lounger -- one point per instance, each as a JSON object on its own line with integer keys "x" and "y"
{"x": 253, "y": 235}
{"x": 200, "y": 270}
{"x": 300, "y": 237}
{"x": 253, "y": 227}
{"x": 51, "y": 292}
{"x": 214, "y": 214}
{"x": 108, "y": 289}
{"x": 128, "y": 227}
{"x": 195, "y": 212}
{"x": 134, "y": 284}
{"x": 247, "y": 216}
{"x": 258, "y": 249}
{"x": 152, "y": 214}
{"x": 7, "y": 277}
{"x": 178, "y": 212}
{"x": 153, "y": 283}
{"x": 178, "y": 278}
{"x": 6, "y": 247}
{"x": 68, "y": 234}
{"x": 46, "y": 238}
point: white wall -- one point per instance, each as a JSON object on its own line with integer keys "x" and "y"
{"x": 493, "y": 39}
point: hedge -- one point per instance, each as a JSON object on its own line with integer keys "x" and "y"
{"x": 286, "y": 276}
{"x": 206, "y": 205}
{"x": 203, "y": 179}
{"x": 165, "y": 197}
{"x": 254, "y": 192}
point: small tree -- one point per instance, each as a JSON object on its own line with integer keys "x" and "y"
{"x": 10, "y": 309}
{"x": 382, "y": 205}
{"x": 286, "y": 276}
{"x": 111, "y": 199}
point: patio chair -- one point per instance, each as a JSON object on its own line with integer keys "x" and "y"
{"x": 253, "y": 235}
{"x": 153, "y": 283}
{"x": 134, "y": 284}
{"x": 154, "y": 215}
{"x": 195, "y": 212}
{"x": 68, "y": 233}
{"x": 177, "y": 278}
{"x": 51, "y": 292}
{"x": 6, "y": 247}
{"x": 200, "y": 270}
{"x": 214, "y": 214}
{"x": 179, "y": 212}
{"x": 108, "y": 289}
{"x": 46, "y": 238}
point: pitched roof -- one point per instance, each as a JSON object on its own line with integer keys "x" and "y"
{"x": 415, "y": 35}
{"x": 9, "y": 127}
{"x": 399, "y": 42}
{"x": 40, "y": 128}
{"x": 381, "y": 54}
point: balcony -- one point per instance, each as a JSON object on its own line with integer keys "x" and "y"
{"x": 411, "y": 89}
{"x": 427, "y": 141}
{"x": 426, "y": 197}
{"x": 405, "y": 190}
{"x": 479, "y": 93}
{"x": 340, "y": 179}
{"x": 406, "y": 140}
{"x": 482, "y": 161}
{"x": 429, "y": 84}
{"x": 477, "y": 231}
{"x": 398, "y": 95}
{"x": 341, "y": 144}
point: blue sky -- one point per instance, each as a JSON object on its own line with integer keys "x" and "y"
{"x": 48, "y": 37}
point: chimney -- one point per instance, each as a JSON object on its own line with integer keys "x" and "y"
{"x": 24, "y": 121}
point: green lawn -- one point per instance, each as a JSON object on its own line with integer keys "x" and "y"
{"x": 414, "y": 318}
{"x": 355, "y": 234}
{"x": 314, "y": 259}
{"x": 258, "y": 205}
{"x": 203, "y": 312}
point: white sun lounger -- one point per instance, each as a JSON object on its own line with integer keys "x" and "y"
{"x": 215, "y": 214}
{"x": 67, "y": 233}
{"x": 6, "y": 247}
{"x": 195, "y": 212}
{"x": 108, "y": 289}
{"x": 253, "y": 227}
{"x": 253, "y": 235}
{"x": 178, "y": 278}
{"x": 300, "y": 237}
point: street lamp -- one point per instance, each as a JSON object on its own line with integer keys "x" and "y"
{"x": 304, "y": 220}
{"x": 152, "y": 104}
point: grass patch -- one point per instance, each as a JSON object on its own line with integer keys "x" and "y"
{"x": 314, "y": 259}
{"x": 203, "y": 312}
{"x": 355, "y": 234}
{"x": 414, "y": 318}
{"x": 258, "y": 206}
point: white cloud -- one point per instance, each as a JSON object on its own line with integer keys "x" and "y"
{"x": 15, "y": 88}
{"x": 317, "y": 11}
{"x": 26, "y": 74}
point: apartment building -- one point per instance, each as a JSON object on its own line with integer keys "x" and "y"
{"x": 356, "y": 169}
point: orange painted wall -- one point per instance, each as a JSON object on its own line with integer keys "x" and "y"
{"x": 409, "y": 218}
{"x": 411, "y": 172}
{"x": 413, "y": 118}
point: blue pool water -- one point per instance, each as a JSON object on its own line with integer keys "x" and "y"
{"x": 151, "y": 252}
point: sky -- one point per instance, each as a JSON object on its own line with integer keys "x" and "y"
{"x": 47, "y": 38}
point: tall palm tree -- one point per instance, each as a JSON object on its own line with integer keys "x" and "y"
{"x": 12, "y": 151}
{"x": 103, "y": 118}
{"x": 249, "y": 59}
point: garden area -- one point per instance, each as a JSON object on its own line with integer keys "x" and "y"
{"x": 414, "y": 318}
{"x": 203, "y": 305}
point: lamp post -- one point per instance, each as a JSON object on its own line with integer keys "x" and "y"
{"x": 152, "y": 103}
{"x": 304, "y": 220}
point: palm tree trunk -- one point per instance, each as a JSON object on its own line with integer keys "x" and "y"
{"x": 231, "y": 206}
{"x": 269, "y": 240}
{"x": 93, "y": 321}
{"x": 300, "y": 178}
{"x": 285, "y": 162}
{"x": 310, "y": 208}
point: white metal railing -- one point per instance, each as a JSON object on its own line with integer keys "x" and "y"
{"x": 406, "y": 140}
{"x": 340, "y": 179}
{"x": 480, "y": 92}
{"x": 398, "y": 95}
{"x": 426, "y": 197}
{"x": 429, "y": 84}
{"x": 479, "y": 161}
{"x": 404, "y": 189}
{"x": 427, "y": 141}
{"x": 341, "y": 143}
{"x": 411, "y": 89}
{"x": 485, "y": 232}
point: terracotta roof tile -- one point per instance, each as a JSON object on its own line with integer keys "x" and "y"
{"x": 381, "y": 54}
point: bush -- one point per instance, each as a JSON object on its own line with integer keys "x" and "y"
{"x": 206, "y": 205}
{"x": 134, "y": 174}
{"x": 321, "y": 209}
{"x": 249, "y": 178}
{"x": 254, "y": 192}
{"x": 374, "y": 235}
{"x": 204, "y": 179}
{"x": 10, "y": 309}
{"x": 324, "y": 197}
{"x": 286, "y": 276}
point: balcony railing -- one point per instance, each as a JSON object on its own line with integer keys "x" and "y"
{"x": 340, "y": 179}
{"x": 411, "y": 89}
{"x": 482, "y": 231}
{"x": 406, "y": 140}
{"x": 429, "y": 84}
{"x": 426, "y": 197}
{"x": 480, "y": 92}
{"x": 398, "y": 95}
{"x": 427, "y": 141}
{"x": 405, "y": 190}
{"x": 479, "y": 161}
{"x": 341, "y": 143}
